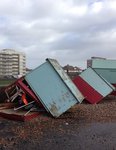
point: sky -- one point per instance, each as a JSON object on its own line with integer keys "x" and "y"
{"x": 70, "y": 31}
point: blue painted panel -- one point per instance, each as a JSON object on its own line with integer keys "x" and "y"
{"x": 51, "y": 89}
{"x": 108, "y": 74}
{"x": 65, "y": 78}
{"x": 101, "y": 63}
{"x": 97, "y": 82}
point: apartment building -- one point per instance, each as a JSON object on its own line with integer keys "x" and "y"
{"x": 12, "y": 63}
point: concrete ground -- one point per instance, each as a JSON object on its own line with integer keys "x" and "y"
{"x": 83, "y": 127}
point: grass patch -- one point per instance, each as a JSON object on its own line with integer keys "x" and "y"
{"x": 5, "y": 82}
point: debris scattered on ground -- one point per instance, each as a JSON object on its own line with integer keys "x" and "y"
{"x": 48, "y": 91}
{"x": 47, "y": 88}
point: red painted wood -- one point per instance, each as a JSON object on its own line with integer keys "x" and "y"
{"x": 26, "y": 89}
{"x": 90, "y": 94}
{"x": 18, "y": 117}
{"x": 29, "y": 92}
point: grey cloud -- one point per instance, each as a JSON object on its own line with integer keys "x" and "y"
{"x": 49, "y": 29}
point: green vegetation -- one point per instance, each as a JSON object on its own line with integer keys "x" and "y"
{"x": 5, "y": 82}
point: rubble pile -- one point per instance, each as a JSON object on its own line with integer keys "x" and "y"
{"x": 48, "y": 89}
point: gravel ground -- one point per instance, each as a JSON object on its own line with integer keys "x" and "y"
{"x": 83, "y": 127}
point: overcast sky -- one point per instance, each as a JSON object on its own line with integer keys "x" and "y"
{"x": 70, "y": 31}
